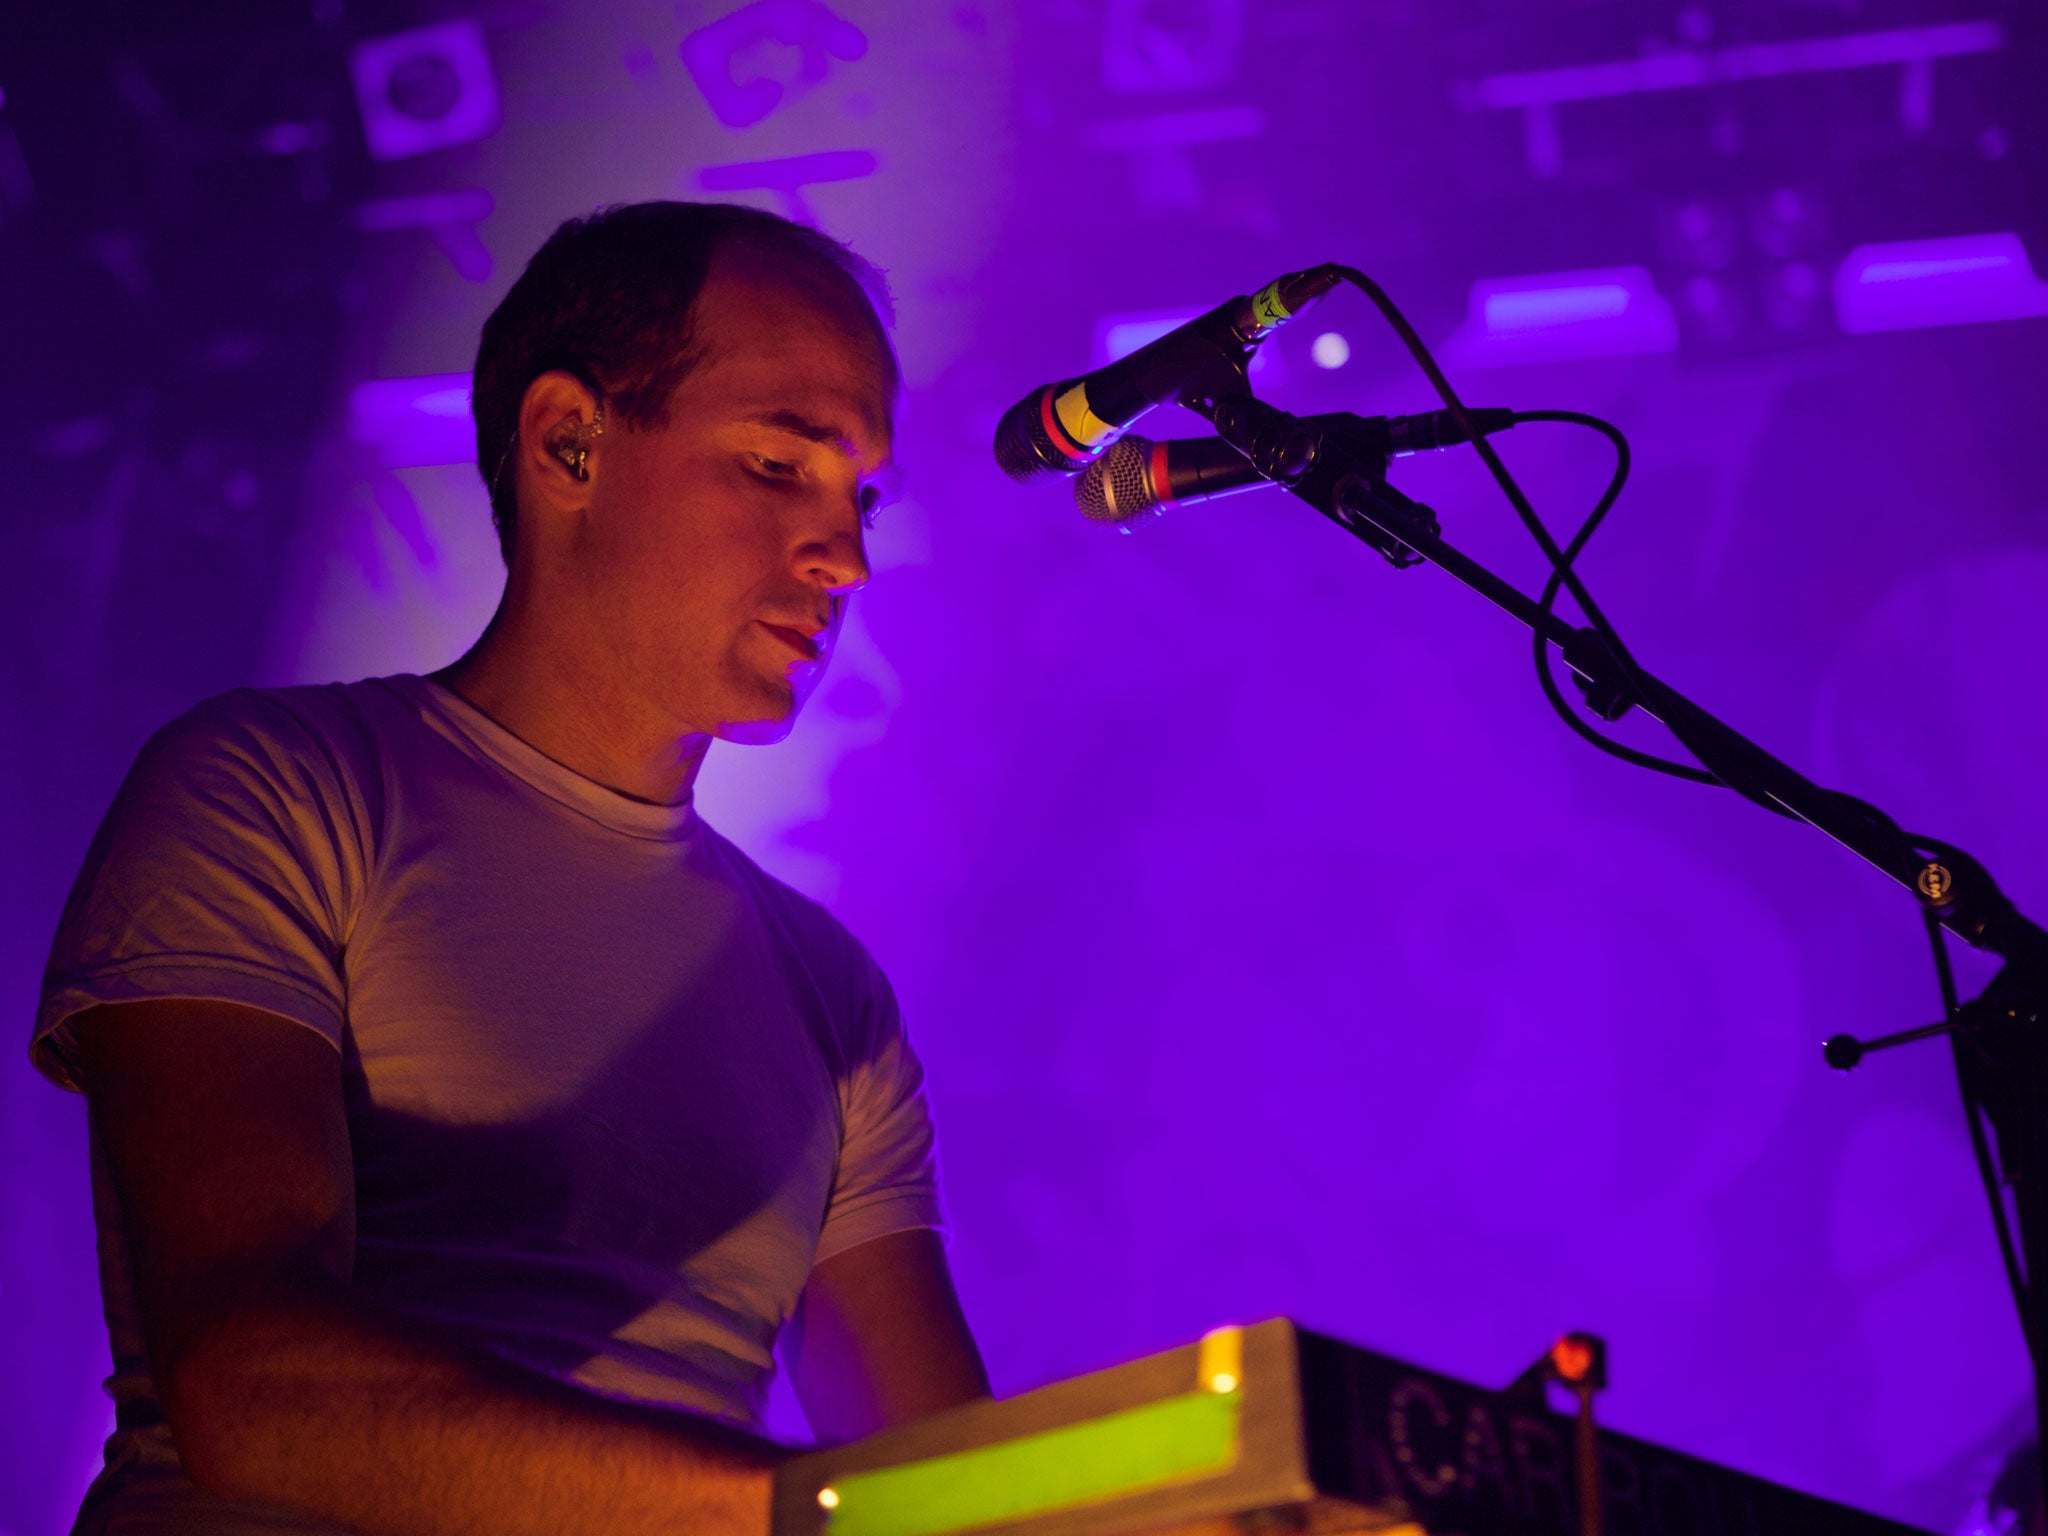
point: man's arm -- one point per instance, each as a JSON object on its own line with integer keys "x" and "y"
{"x": 225, "y": 1133}
{"x": 879, "y": 1338}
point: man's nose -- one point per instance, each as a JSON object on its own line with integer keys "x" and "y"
{"x": 837, "y": 560}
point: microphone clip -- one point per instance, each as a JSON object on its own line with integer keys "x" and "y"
{"x": 1281, "y": 447}
{"x": 1337, "y": 463}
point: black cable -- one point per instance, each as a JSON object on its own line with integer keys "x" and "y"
{"x": 1545, "y": 675}
{"x": 1560, "y": 564}
{"x": 1520, "y": 502}
{"x": 1622, "y": 464}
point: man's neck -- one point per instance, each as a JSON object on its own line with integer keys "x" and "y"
{"x": 573, "y": 713}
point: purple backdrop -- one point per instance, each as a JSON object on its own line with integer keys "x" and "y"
{"x": 1271, "y": 947}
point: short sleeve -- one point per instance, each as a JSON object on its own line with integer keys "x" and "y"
{"x": 888, "y": 1165}
{"x": 227, "y": 869}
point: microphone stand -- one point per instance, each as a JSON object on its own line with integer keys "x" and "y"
{"x": 1336, "y": 465}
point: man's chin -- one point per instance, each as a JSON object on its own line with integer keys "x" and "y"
{"x": 771, "y": 713}
{"x": 773, "y": 719}
{"x": 756, "y": 733}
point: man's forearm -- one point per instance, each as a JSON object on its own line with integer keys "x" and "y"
{"x": 314, "y": 1401}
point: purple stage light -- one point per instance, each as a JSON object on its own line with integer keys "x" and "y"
{"x": 1120, "y": 335}
{"x": 1545, "y": 309}
{"x": 408, "y": 422}
{"x": 1906, "y": 284}
{"x": 1552, "y": 316}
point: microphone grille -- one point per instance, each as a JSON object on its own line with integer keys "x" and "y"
{"x": 1116, "y": 488}
{"x": 1024, "y": 451}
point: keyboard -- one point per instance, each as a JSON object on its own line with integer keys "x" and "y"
{"x": 1272, "y": 1430}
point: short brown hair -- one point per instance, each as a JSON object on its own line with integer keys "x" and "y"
{"x": 608, "y": 298}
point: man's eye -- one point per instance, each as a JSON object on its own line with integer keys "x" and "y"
{"x": 870, "y": 504}
{"x": 782, "y": 469}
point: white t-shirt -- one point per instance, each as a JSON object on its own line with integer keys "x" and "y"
{"x": 612, "y": 1091}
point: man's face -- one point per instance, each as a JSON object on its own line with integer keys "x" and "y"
{"x": 717, "y": 554}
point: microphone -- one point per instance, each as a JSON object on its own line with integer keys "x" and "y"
{"x": 1059, "y": 429}
{"x": 1136, "y": 479}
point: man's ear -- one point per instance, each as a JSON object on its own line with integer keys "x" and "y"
{"x": 561, "y": 427}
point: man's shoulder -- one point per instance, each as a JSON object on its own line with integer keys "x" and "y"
{"x": 320, "y": 738}
{"x": 291, "y": 719}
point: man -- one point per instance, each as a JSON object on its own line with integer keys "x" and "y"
{"x": 468, "y": 1117}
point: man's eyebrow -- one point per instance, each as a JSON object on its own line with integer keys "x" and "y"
{"x": 800, "y": 425}
{"x": 889, "y": 480}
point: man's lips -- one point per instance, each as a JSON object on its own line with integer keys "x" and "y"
{"x": 804, "y": 645}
